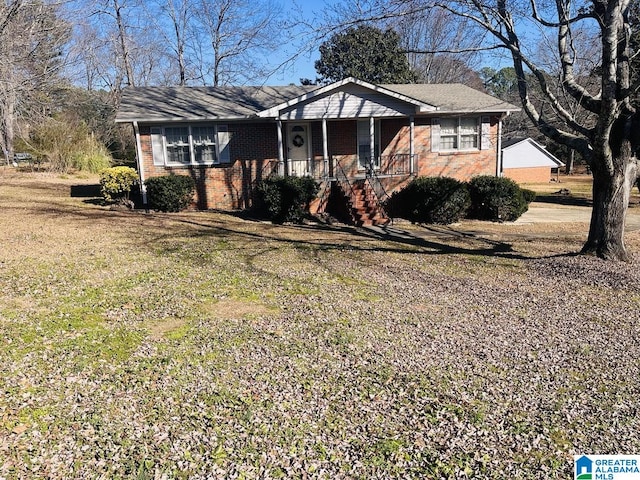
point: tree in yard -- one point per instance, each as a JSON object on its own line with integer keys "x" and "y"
{"x": 367, "y": 53}
{"x": 598, "y": 121}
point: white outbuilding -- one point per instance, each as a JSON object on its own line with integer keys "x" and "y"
{"x": 526, "y": 161}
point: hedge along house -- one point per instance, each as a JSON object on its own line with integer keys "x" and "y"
{"x": 360, "y": 141}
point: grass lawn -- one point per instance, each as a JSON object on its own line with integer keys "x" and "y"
{"x": 202, "y": 345}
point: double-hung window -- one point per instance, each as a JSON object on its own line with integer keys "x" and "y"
{"x": 459, "y": 133}
{"x": 183, "y": 145}
{"x": 177, "y": 145}
{"x": 204, "y": 144}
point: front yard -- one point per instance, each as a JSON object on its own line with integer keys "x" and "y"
{"x": 201, "y": 345}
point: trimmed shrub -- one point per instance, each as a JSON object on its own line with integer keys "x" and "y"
{"x": 170, "y": 193}
{"x": 116, "y": 183}
{"x": 285, "y": 199}
{"x": 440, "y": 200}
{"x": 496, "y": 198}
{"x": 529, "y": 195}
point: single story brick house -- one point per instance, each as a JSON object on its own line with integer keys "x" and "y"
{"x": 526, "y": 161}
{"x": 349, "y": 135}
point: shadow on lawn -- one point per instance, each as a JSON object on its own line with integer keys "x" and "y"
{"x": 564, "y": 200}
{"x": 433, "y": 242}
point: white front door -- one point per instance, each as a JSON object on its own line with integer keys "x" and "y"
{"x": 298, "y": 148}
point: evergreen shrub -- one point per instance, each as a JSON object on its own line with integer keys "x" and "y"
{"x": 497, "y": 199}
{"x": 285, "y": 199}
{"x": 116, "y": 183}
{"x": 440, "y": 200}
{"x": 170, "y": 193}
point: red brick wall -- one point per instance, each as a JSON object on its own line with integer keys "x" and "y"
{"x": 529, "y": 175}
{"x": 459, "y": 165}
{"x": 343, "y": 138}
{"x": 253, "y": 151}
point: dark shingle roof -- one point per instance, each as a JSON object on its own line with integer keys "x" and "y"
{"x": 452, "y": 97}
{"x": 201, "y": 103}
{"x": 150, "y": 104}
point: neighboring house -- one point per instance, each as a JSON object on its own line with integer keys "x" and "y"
{"x": 526, "y": 161}
{"x": 350, "y": 135}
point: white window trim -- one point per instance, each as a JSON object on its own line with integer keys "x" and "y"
{"x": 459, "y": 135}
{"x": 377, "y": 128}
{"x": 218, "y": 129}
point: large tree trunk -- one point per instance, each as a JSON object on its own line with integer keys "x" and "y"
{"x": 611, "y": 194}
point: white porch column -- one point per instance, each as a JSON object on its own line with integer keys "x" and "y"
{"x": 412, "y": 147}
{"x": 143, "y": 187}
{"x": 280, "y": 149}
{"x": 325, "y": 147}
{"x": 372, "y": 141}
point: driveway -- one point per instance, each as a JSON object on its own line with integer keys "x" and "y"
{"x": 546, "y": 213}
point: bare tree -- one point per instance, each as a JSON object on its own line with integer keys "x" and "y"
{"x": 240, "y": 34}
{"x": 32, "y": 37}
{"x": 174, "y": 21}
{"x": 606, "y": 130}
{"x": 608, "y": 138}
{"x": 429, "y": 35}
{"x": 115, "y": 44}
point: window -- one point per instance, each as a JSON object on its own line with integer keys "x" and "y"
{"x": 204, "y": 144}
{"x": 364, "y": 144}
{"x": 177, "y": 145}
{"x": 459, "y": 133}
{"x": 190, "y": 145}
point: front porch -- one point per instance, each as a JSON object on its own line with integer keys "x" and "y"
{"x": 328, "y": 148}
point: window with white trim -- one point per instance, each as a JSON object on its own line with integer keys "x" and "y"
{"x": 460, "y": 133}
{"x": 177, "y": 145}
{"x": 364, "y": 143}
{"x": 204, "y": 144}
{"x": 184, "y": 145}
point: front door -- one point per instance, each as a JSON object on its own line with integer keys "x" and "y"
{"x": 298, "y": 149}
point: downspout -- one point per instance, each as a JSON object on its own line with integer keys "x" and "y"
{"x": 143, "y": 187}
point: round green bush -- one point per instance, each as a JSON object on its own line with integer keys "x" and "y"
{"x": 285, "y": 199}
{"x": 440, "y": 200}
{"x": 170, "y": 193}
{"x": 116, "y": 183}
{"x": 496, "y": 198}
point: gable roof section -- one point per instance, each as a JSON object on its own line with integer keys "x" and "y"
{"x": 355, "y": 96}
{"x": 169, "y": 104}
{"x": 526, "y": 152}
